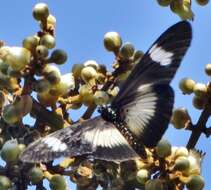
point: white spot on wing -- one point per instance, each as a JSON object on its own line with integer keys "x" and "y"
{"x": 55, "y": 144}
{"x": 105, "y": 137}
{"x": 158, "y": 54}
{"x": 138, "y": 120}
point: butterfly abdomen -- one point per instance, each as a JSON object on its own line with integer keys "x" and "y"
{"x": 114, "y": 117}
{"x": 131, "y": 139}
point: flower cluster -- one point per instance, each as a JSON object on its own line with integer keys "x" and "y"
{"x": 182, "y": 7}
{"x": 166, "y": 167}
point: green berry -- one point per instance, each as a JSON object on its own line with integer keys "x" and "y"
{"x": 112, "y": 41}
{"x": 42, "y": 85}
{"x": 11, "y": 114}
{"x": 76, "y": 70}
{"x": 195, "y": 160}
{"x": 5, "y": 183}
{"x": 10, "y": 151}
{"x": 48, "y": 41}
{"x": 186, "y": 85}
{"x": 88, "y": 73}
{"x": 182, "y": 8}
{"x": 163, "y": 148}
{"x": 41, "y": 51}
{"x": 127, "y": 50}
{"x": 21, "y": 147}
{"x": 51, "y": 20}
{"x": 91, "y": 63}
{"x": 142, "y": 176}
{"x": 66, "y": 84}
{"x": 138, "y": 55}
{"x": 47, "y": 99}
{"x": 181, "y": 151}
{"x": 199, "y": 102}
{"x": 3, "y": 67}
{"x": 186, "y": 12}
{"x": 100, "y": 78}
{"x": 13, "y": 73}
{"x": 182, "y": 163}
{"x": 35, "y": 175}
{"x": 200, "y": 90}
{"x": 202, "y": 2}
{"x": 53, "y": 77}
{"x": 52, "y": 74}
{"x": 195, "y": 182}
{"x": 176, "y": 6}
{"x": 30, "y": 43}
{"x": 40, "y": 11}
{"x": 18, "y": 58}
{"x": 57, "y": 182}
{"x": 101, "y": 97}
{"x": 208, "y": 69}
{"x": 164, "y": 3}
{"x": 51, "y": 23}
{"x": 154, "y": 184}
{"x": 58, "y": 56}
{"x": 180, "y": 117}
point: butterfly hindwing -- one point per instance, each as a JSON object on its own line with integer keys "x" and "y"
{"x": 108, "y": 143}
{"x": 95, "y": 137}
{"x": 146, "y": 100}
{"x": 154, "y": 104}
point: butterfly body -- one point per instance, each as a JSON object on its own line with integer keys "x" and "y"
{"x": 137, "y": 117}
{"x": 110, "y": 115}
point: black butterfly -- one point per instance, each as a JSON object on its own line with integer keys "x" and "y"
{"x": 137, "y": 117}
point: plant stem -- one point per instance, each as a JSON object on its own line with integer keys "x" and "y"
{"x": 200, "y": 127}
{"x": 48, "y": 117}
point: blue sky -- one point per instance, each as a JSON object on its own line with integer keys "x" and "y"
{"x": 81, "y": 26}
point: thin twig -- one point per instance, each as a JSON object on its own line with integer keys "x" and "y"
{"x": 48, "y": 117}
{"x": 200, "y": 127}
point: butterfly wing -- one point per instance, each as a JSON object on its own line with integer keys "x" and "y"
{"x": 48, "y": 148}
{"x": 95, "y": 137}
{"x": 107, "y": 142}
{"x": 145, "y": 99}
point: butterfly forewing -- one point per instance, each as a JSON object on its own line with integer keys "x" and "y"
{"x": 48, "y": 148}
{"x": 145, "y": 100}
{"x": 160, "y": 62}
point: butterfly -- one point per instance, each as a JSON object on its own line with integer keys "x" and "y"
{"x": 136, "y": 118}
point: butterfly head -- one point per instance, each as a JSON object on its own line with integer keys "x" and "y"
{"x": 108, "y": 113}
